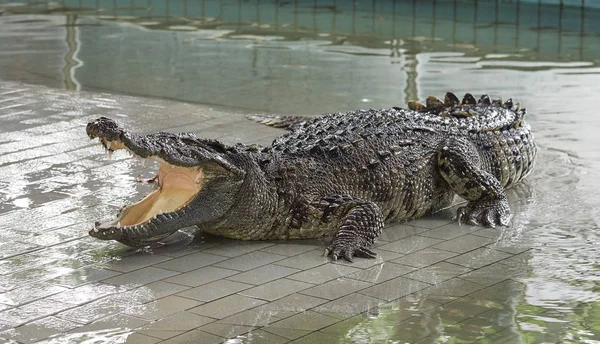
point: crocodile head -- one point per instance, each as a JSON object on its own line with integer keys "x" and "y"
{"x": 197, "y": 183}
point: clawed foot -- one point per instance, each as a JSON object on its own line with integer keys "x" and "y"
{"x": 347, "y": 250}
{"x": 489, "y": 213}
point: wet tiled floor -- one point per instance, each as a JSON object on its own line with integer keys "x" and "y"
{"x": 431, "y": 277}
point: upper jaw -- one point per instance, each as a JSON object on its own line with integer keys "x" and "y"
{"x": 162, "y": 147}
{"x": 182, "y": 149}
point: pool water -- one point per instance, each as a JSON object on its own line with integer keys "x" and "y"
{"x": 312, "y": 57}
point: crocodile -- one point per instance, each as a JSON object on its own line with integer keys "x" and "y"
{"x": 339, "y": 175}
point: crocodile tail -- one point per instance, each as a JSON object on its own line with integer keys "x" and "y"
{"x": 279, "y": 121}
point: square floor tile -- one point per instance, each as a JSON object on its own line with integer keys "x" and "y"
{"x": 160, "y": 308}
{"x": 135, "y": 261}
{"x": 399, "y": 231}
{"x": 194, "y": 337}
{"x": 437, "y": 273}
{"x": 263, "y": 274}
{"x": 237, "y": 248}
{"x": 463, "y": 243}
{"x": 450, "y": 231}
{"x": 277, "y": 289}
{"x": 336, "y": 288}
{"x": 226, "y": 306}
{"x": 479, "y": 257}
{"x": 323, "y": 273}
{"x": 140, "y": 277}
{"x": 293, "y": 249}
{"x": 424, "y": 257}
{"x": 454, "y": 287}
{"x": 201, "y": 276}
{"x": 249, "y": 261}
{"x": 349, "y": 305}
{"x": 181, "y": 321}
{"x": 214, "y": 290}
{"x": 191, "y": 262}
{"x": 410, "y": 244}
{"x": 382, "y": 272}
{"x": 306, "y": 260}
{"x": 307, "y": 321}
{"x": 394, "y": 288}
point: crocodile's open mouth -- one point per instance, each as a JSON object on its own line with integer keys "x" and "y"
{"x": 176, "y": 187}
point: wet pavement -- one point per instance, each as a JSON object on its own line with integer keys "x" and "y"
{"x": 537, "y": 281}
{"x": 61, "y": 285}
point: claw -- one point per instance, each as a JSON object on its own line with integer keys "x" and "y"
{"x": 489, "y": 214}
{"x": 488, "y": 219}
{"x": 348, "y": 253}
{"x": 365, "y": 252}
{"x": 348, "y": 257}
{"x": 473, "y": 222}
{"x": 461, "y": 214}
{"x": 505, "y": 220}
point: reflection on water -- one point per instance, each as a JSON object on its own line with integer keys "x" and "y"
{"x": 302, "y": 57}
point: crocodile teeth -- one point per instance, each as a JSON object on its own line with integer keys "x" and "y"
{"x": 119, "y": 224}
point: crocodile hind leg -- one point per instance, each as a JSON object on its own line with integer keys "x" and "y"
{"x": 460, "y": 166}
{"x": 359, "y": 223}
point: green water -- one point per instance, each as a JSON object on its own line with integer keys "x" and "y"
{"x": 301, "y": 57}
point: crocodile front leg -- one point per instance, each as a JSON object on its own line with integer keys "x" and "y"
{"x": 460, "y": 165}
{"x": 359, "y": 223}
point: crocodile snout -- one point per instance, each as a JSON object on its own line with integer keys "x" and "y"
{"x": 104, "y": 128}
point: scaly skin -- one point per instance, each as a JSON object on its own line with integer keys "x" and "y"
{"x": 345, "y": 175}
